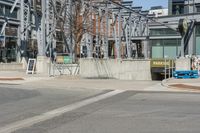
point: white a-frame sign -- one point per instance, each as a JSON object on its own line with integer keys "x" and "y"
{"x": 31, "y": 66}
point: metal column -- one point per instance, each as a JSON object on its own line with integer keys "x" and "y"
{"x": 107, "y": 34}
{"x": 119, "y": 36}
{"x": 22, "y": 45}
{"x": 97, "y": 35}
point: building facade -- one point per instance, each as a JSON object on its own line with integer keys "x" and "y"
{"x": 165, "y": 41}
{"x": 10, "y": 38}
{"x": 155, "y": 41}
{"x": 177, "y": 7}
{"x": 158, "y": 11}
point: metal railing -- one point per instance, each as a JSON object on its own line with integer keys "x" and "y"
{"x": 169, "y": 67}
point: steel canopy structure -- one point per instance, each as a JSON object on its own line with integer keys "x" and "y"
{"x": 101, "y": 22}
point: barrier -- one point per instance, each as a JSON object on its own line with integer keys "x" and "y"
{"x": 64, "y": 66}
{"x": 186, "y": 74}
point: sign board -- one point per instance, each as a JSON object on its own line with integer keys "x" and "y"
{"x": 60, "y": 59}
{"x": 63, "y": 60}
{"x": 31, "y": 66}
{"x": 161, "y": 63}
{"x": 67, "y": 60}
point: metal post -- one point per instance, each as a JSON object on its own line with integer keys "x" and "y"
{"x": 119, "y": 36}
{"x": 71, "y": 34}
{"x": 48, "y": 37}
{"x": 40, "y": 24}
{"x": 107, "y": 34}
{"x": 43, "y": 35}
{"x": 169, "y": 67}
{"x": 97, "y": 35}
{"x": 116, "y": 38}
{"x": 89, "y": 39}
{"x": 182, "y": 47}
{"x": 22, "y": 25}
{"x": 173, "y": 68}
{"x": 102, "y": 34}
{"x": 129, "y": 51}
{"x": 165, "y": 68}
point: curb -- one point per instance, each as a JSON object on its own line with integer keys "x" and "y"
{"x": 163, "y": 83}
{"x": 10, "y": 78}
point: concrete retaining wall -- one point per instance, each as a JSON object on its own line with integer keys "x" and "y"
{"x": 67, "y": 69}
{"x": 118, "y": 69}
{"x": 11, "y": 67}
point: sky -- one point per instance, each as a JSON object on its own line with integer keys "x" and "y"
{"x": 146, "y": 4}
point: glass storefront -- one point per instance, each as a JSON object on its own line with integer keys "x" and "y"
{"x": 165, "y": 48}
{"x": 161, "y": 48}
{"x": 198, "y": 40}
{"x": 163, "y": 32}
{"x": 9, "y": 41}
{"x": 8, "y": 47}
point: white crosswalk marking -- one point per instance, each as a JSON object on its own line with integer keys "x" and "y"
{"x": 54, "y": 113}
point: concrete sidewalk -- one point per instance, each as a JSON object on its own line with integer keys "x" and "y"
{"x": 76, "y": 82}
{"x": 20, "y": 77}
{"x": 182, "y": 84}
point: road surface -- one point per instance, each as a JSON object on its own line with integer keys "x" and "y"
{"x": 53, "y": 110}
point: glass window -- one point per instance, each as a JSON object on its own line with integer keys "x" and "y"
{"x": 165, "y": 47}
{"x": 1, "y": 10}
{"x": 179, "y": 51}
{"x": 163, "y": 32}
{"x": 198, "y": 30}
{"x": 198, "y": 39}
{"x": 178, "y": 7}
{"x": 198, "y": 45}
{"x": 170, "y": 51}
{"x": 156, "y": 42}
{"x": 170, "y": 42}
{"x": 7, "y": 12}
{"x": 157, "y": 52}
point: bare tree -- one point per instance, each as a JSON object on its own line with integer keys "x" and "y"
{"x": 73, "y": 17}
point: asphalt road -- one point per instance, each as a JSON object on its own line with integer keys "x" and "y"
{"x": 126, "y": 112}
{"x": 18, "y": 103}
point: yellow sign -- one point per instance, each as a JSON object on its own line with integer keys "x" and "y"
{"x": 161, "y": 63}
{"x": 60, "y": 59}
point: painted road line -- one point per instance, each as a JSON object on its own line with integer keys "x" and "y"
{"x": 54, "y": 113}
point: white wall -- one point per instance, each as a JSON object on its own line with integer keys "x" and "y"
{"x": 117, "y": 69}
{"x": 159, "y": 12}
